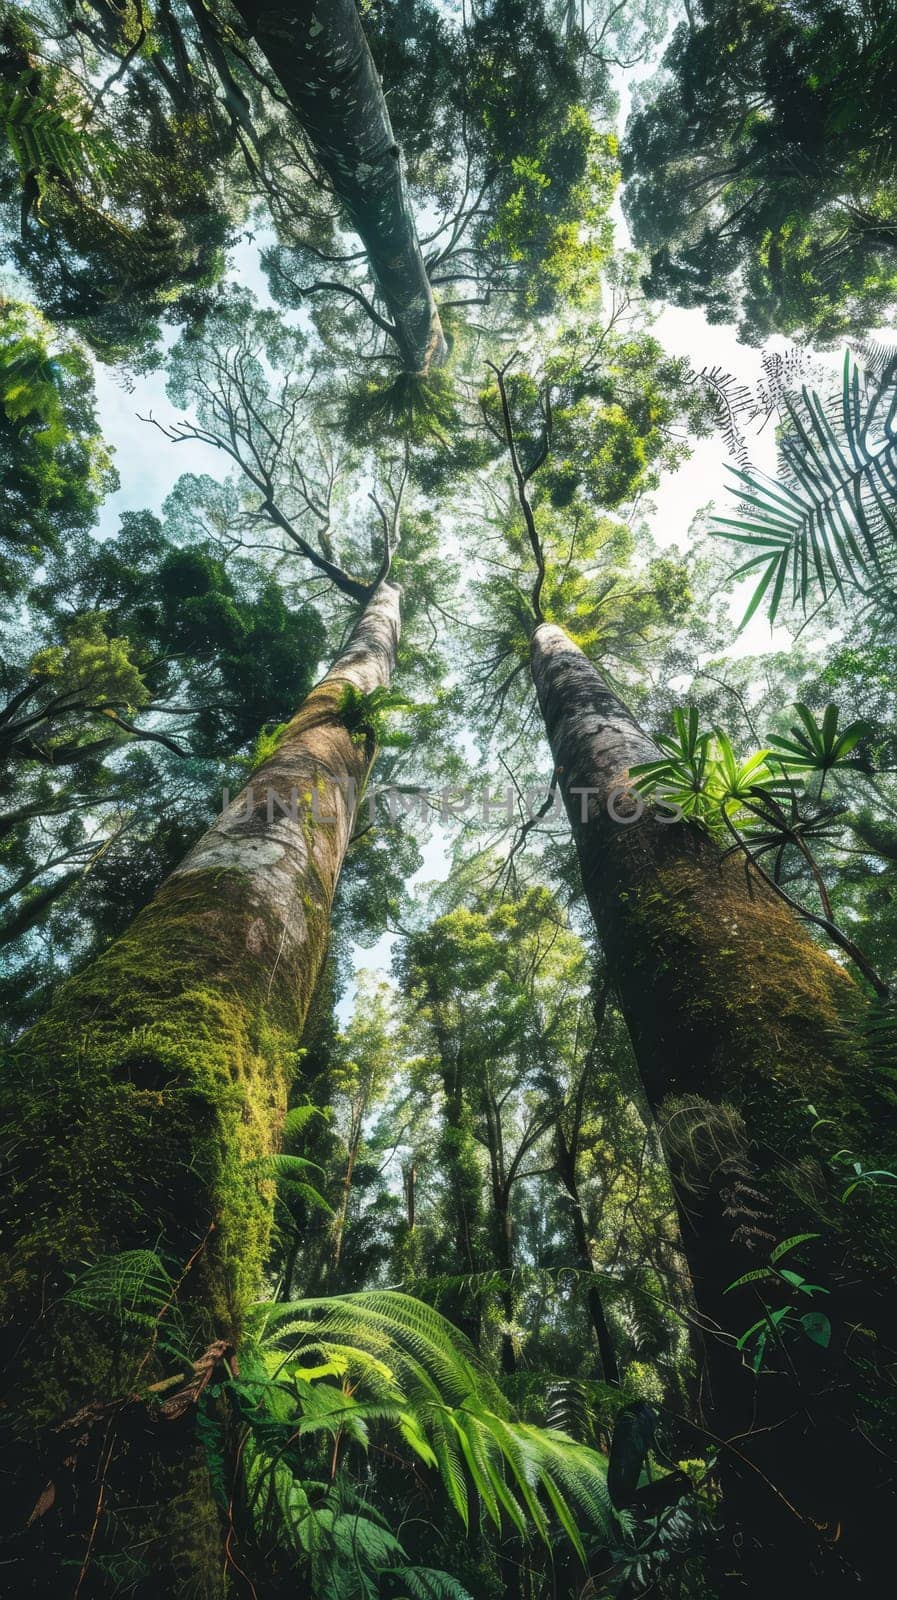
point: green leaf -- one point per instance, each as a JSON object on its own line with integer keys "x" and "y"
{"x": 794, "y": 1278}
{"x": 778, "y": 1315}
{"x": 749, "y": 1332}
{"x": 750, "y": 1277}
{"x": 791, "y": 1244}
{"x": 830, "y": 514}
{"x": 817, "y": 1327}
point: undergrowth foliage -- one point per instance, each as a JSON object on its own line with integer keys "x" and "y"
{"x": 289, "y": 1424}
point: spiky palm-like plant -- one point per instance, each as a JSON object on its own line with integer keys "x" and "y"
{"x": 829, "y": 521}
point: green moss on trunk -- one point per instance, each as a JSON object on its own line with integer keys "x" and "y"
{"x": 740, "y": 1023}
{"x": 137, "y": 1116}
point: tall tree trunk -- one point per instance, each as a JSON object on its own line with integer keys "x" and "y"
{"x": 502, "y": 1223}
{"x": 503, "y": 1234}
{"x": 737, "y": 1020}
{"x": 321, "y": 58}
{"x": 566, "y": 1169}
{"x": 338, "y": 1230}
{"x": 137, "y": 1115}
{"x": 456, "y": 1156}
{"x": 409, "y": 1183}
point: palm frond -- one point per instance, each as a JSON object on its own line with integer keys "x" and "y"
{"x": 821, "y": 748}
{"x": 828, "y": 523}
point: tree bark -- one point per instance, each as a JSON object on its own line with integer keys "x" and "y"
{"x": 338, "y": 1230}
{"x": 137, "y": 1116}
{"x": 321, "y": 58}
{"x": 455, "y": 1156}
{"x": 737, "y": 1021}
{"x": 566, "y": 1169}
{"x": 502, "y": 1225}
{"x": 409, "y": 1182}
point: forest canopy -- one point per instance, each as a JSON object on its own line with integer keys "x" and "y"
{"x": 448, "y": 822}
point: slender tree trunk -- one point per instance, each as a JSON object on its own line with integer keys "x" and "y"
{"x": 566, "y": 1168}
{"x": 137, "y": 1116}
{"x": 504, "y": 1253}
{"x": 457, "y": 1153}
{"x": 321, "y": 57}
{"x": 737, "y": 1020}
{"x": 502, "y": 1224}
{"x": 409, "y": 1182}
{"x": 457, "y": 1157}
{"x": 338, "y": 1231}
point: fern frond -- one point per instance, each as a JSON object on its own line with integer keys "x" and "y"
{"x": 427, "y": 1583}
{"x": 425, "y": 1378}
{"x": 132, "y": 1286}
{"x": 288, "y": 1173}
{"x": 569, "y": 1407}
{"x": 429, "y": 1356}
{"x": 45, "y": 131}
{"x": 297, "y": 1120}
{"x": 285, "y": 1166}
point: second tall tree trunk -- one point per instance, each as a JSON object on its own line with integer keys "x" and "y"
{"x": 321, "y": 58}
{"x": 738, "y": 1023}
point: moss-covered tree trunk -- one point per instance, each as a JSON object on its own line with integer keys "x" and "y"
{"x": 737, "y": 1020}
{"x": 137, "y": 1117}
{"x": 321, "y": 58}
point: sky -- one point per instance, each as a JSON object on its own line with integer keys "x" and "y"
{"x": 149, "y": 465}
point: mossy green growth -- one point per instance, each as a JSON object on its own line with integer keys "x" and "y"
{"x": 747, "y": 985}
{"x": 267, "y": 744}
{"x": 733, "y": 1003}
{"x": 137, "y": 1116}
{"x": 366, "y": 716}
{"x": 134, "y": 1111}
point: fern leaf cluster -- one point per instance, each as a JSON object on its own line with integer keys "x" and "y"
{"x": 408, "y": 1367}
{"x": 45, "y": 132}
